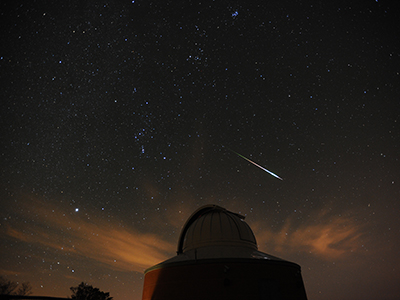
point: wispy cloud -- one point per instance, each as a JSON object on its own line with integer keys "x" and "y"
{"x": 324, "y": 235}
{"x": 108, "y": 243}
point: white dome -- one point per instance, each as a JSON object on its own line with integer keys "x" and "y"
{"x": 212, "y": 225}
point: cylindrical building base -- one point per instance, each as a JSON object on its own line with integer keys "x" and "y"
{"x": 217, "y": 279}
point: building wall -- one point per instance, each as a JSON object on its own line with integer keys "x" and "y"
{"x": 225, "y": 279}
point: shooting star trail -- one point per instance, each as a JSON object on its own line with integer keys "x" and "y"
{"x": 256, "y": 165}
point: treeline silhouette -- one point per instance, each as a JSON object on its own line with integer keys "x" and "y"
{"x": 11, "y": 290}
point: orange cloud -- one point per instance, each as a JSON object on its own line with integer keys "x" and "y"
{"x": 326, "y": 236}
{"x": 109, "y": 243}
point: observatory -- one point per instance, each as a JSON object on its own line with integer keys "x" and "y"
{"x": 218, "y": 258}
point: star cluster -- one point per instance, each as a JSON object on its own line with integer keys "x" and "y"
{"x": 120, "y": 118}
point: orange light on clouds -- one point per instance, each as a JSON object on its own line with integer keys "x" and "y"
{"x": 329, "y": 237}
{"x": 106, "y": 242}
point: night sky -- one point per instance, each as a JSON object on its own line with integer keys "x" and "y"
{"x": 120, "y": 118}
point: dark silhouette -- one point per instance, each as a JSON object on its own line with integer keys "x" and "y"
{"x": 88, "y": 292}
{"x": 8, "y": 287}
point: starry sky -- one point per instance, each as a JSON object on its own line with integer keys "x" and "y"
{"x": 120, "y": 118}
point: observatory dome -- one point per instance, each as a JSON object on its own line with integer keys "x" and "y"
{"x": 212, "y": 225}
{"x": 217, "y": 258}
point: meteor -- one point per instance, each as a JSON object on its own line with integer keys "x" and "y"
{"x": 276, "y": 176}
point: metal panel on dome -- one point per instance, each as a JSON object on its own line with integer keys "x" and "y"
{"x": 217, "y": 226}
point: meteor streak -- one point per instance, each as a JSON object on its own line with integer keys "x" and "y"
{"x": 256, "y": 165}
